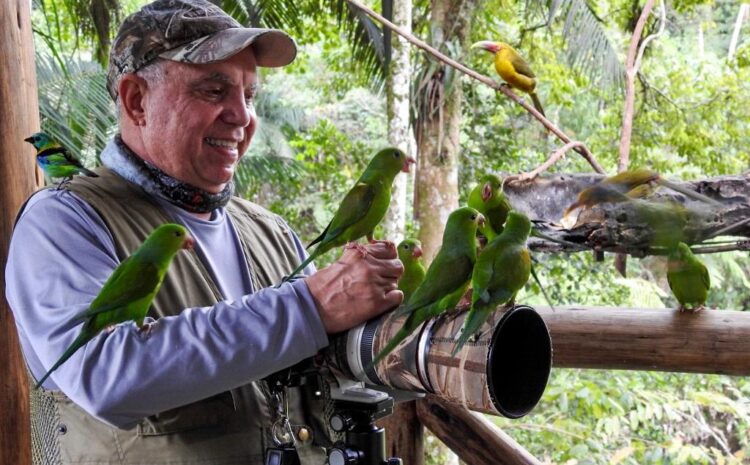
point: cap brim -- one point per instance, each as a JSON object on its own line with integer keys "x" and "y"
{"x": 272, "y": 47}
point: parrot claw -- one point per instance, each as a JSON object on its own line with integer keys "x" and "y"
{"x": 698, "y": 308}
{"x": 146, "y": 329}
{"x": 358, "y": 247}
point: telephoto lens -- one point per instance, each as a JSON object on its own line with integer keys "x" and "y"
{"x": 502, "y": 370}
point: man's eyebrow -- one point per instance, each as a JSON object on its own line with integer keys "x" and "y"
{"x": 222, "y": 78}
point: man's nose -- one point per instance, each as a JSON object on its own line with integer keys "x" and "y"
{"x": 238, "y": 110}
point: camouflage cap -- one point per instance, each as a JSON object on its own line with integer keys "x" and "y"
{"x": 190, "y": 31}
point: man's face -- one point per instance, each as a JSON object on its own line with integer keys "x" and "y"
{"x": 199, "y": 119}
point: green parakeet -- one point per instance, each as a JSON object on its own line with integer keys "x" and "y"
{"x": 447, "y": 277}
{"x": 54, "y": 159}
{"x": 363, "y": 207}
{"x": 502, "y": 269}
{"x": 128, "y": 292}
{"x": 410, "y": 254}
{"x": 688, "y": 278}
{"x": 488, "y": 199}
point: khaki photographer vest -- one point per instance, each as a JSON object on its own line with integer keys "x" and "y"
{"x": 230, "y": 428}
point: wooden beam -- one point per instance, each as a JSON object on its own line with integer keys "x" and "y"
{"x": 471, "y": 435}
{"x": 18, "y": 99}
{"x": 710, "y": 341}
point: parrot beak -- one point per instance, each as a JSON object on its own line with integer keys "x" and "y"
{"x": 486, "y": 192}
{"x": 488, "y": 45}
{"x": 189, "y": 243}
{"x": 30, "y": 140}
{"x": 407, "y": 164}
{"x": 481, "y": 220}
{"x": 417, "y": 252}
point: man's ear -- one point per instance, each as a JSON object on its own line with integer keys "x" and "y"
{"x": 132, "y": 91}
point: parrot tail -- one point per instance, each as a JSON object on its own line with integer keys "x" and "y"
{"x": 472, "y": 323}
{"x": 79, "y": 342}
{"x": 392, "y": 345}
{"x": 690, "y": 193}
{"x": 541, "y": 288}
{"x": 297, "y": 270}
{"x": 537, "y": 103}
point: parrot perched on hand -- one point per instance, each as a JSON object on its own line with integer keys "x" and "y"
{"x": 447, "y": 277}
{"x": 128, "y": 292}
{"x": 363, "y": 207}
{"x": 488, "y": 199}
{"x": 513, "y": 69}
{"x": 501, "y": 270}
{"x": 624, "y": 186}
{"x": 688, "y": 278}
{"x": 410, "y": 253}
{"x": 54, "y": 159}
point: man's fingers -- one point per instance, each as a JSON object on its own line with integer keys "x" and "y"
{"x": 382, "y": 249}
{"x": 393, "y": 298}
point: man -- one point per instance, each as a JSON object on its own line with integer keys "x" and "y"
{"x": 183, "y": 76}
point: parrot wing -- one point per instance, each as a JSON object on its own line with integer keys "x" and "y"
{"x": 705, "y": 277}
{"x": 131, "y": 281}
{"x": 353, "y": 208}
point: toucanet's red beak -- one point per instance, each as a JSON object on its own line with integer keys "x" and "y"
{"x": 486, "y": 192}
{"x": 488, "y": 45}
{"x": 407, "y": 164}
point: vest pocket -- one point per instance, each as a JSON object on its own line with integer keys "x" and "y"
{"x": 211, "y": 412}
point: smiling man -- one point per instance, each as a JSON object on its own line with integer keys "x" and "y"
{"x": 183, "y": 75}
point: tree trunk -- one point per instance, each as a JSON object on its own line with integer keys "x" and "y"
{"x": 18, "y": 99}
{"x": 744, "y": 8}
{"x": 397, "y": 85}
{"x": 438, "y": 127}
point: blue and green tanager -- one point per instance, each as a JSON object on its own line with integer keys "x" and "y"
{"x": 501, "y": 270}
{"x": 363, "y": 207}
{"x": 688, "y": 278}
{"x": 54, "y": 159}
{"x": 447, "y": 278}
{"x": 410, "y": 254}
{"x": 513, "y": 69}
{"x": 128, "y": 292}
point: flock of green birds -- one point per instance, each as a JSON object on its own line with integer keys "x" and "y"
{"x": 484, "y": 246}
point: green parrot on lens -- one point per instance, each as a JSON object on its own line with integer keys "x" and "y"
{"x": 410, "y": 254}
{"x": 447, "y": 279}
{"x": 128, "y": 292}
{"x": 501, "y": 270}
{"x": 688, "y": 278}
{"x": 363, "y": 207}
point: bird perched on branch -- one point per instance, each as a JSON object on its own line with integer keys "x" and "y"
{"x": 513, "y": 69}
{"x": 625, "y": 186}
{"x": 410, "y": 254}
{"x": 128, "y": 292}
{"x": 54, "y": 159}
{"x": 363, "y": 207}
{"x": 488, "y": 199}
{"x": 447, "y": 277}
{"x": 688, "y": 278}
{"x": 501, "y": 270}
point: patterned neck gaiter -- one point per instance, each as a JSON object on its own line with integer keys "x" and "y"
{"x": 183, "y": 195}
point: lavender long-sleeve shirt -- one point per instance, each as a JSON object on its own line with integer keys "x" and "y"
{"x": 61, "y": 254}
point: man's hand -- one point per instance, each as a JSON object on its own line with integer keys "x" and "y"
{"x": 357, "y": 288}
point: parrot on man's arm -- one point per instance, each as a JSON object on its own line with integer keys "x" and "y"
{"x": 447, "y": 278}
{"x": 363, "y": 207}
{"x": 410, "y": 254}
{"x": 54, "y": 159}
{"x": 688, "y": 278}
{"x": 128, "y": 292}
{"x": 501, "y": 270}
{"x": 513, "y": 69}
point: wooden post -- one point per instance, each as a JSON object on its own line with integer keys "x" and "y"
{"x": 471, "y": 435}
{"x": 18, "y": 99}
{"x": 710, "y": 341}
{"x": 404, "y": 434}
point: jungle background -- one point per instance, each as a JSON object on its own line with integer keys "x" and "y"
{"x": 322, "y": 117}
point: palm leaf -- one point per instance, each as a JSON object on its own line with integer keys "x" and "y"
{"x": 74, "y": 104}
{"x": 588, "y": 49}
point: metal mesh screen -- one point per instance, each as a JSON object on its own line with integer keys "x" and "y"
{"x": 45, "y": 421}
